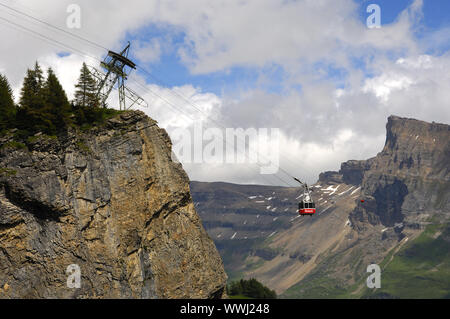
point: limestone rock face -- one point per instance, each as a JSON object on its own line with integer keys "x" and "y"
{"x": 410, "y": 179}
{"x": 407, "y": 182}
{"x": 111, "y": 201}
{"x": 353, "y": 171}
{"x": 330, "y": 177}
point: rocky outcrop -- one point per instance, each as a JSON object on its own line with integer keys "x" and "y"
{"x": 410, "y": 179}
{"x": 330, "y": 177}
{"x": 351, "y": 173}
{"x": 111, "y": 201}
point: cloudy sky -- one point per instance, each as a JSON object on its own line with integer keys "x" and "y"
{"x": 311, "y": 68}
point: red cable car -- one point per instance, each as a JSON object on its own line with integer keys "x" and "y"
{"x": 306, "y": 205}
{"x": 306, "y": 208}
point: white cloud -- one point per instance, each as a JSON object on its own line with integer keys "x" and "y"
{"x": 383, "y": 85}
{"x": 149, "y": 51}
{"x": 223, "y": 34}
{"x": 322, "y": 124}
{"x": 177, "y": 107}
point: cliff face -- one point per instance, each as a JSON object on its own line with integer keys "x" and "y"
{"x": 410, "y": 179}
{"x": 111, "y": 201}
{"x": 405, "y": 183}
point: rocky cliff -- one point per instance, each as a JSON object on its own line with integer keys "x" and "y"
{"x": 110, "y": 200}
{"x": 409, "y": 180}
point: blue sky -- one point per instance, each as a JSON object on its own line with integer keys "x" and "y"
{"x": 171, "y": 71}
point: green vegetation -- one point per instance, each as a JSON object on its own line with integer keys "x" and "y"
{"x": 421, "y": 269}
{"x": 322, "y": 283}
{"x": 7, "y": 107}
{"x": 253, "y": 289}
{"x": 7, "y": 171}
{"x": 83, "y": 147}
{"x": 43, "y": 106}
{"x": 233, "y": 252}
{"x": 14, "y": 145}
{"x": 86, "y": 93}
{"x": 239, "y": 297}
{"x": 318, "y": 285}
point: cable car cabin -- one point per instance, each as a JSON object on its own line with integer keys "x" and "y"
{"x": 306, "y": 208}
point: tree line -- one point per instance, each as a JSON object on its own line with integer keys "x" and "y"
{"x": 44, "y": 107}
{"x": 251, "y": 288}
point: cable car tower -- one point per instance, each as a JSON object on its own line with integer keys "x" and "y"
{"x": 117, "y": 67}
{"x": 306, "y": 205}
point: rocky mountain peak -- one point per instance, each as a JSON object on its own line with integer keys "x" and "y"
{"x": 412, "y": 137}
{"x": 410, "y": 176}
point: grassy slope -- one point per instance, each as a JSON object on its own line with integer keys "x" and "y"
{"x": 235, "y": 254}
{"x": 421, "y": 269}
{"x": 317, "y": 285}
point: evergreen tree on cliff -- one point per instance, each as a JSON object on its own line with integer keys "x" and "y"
{"x": 56, "y": 102}
{"x": 87, "y": 103}
{"x": 43, "y": 104}
{"x": 86, "y": 90}
{"x": 7, "y": 106}
{"x": 31, "y": 96}
{"x": 31, "y": 116}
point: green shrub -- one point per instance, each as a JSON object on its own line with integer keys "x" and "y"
{"x": 250, "y": 289}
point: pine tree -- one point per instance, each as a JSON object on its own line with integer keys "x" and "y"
{"x": 7, "y": 106}
{"x": 34, "y": 114}
{"x": 44, "y": 106}
{"x": 86, "y": 90}
{"x": 38, "y": 74}
{"x": 31, "y": 96}
{"x": 56, "y": 103}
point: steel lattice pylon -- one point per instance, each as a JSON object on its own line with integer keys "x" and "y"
{"x": 117, "y": 68}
